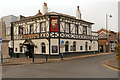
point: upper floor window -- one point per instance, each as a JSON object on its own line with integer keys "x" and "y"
{"x": 67, "y": 29}
{"x": 42, "y": 27}
{"x": 76, "y": 29}
{"x": 85, "y": 30}
{"x": 31, "y": 28}
{"x": 20, "y": 30}
{"x": 8, "y": 30}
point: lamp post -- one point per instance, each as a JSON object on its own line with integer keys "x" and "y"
{"x": 107, "y": 30}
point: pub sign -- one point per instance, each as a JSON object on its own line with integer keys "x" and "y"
{"x": 54, "y": 23}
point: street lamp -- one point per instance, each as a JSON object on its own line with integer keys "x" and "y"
{"x": 107, "y": 29}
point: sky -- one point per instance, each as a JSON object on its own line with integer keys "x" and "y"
{"x": 92, "y": 10}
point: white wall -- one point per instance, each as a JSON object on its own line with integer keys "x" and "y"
{"x": 54, "y": 42}
{"x": 81, "y": 43}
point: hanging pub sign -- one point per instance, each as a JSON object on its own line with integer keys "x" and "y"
{"x": 54, "y": 23}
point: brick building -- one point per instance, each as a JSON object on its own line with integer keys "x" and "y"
{"x": 107, "y": 40}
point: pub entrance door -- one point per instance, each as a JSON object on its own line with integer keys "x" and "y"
{"x": 30, "y": 49}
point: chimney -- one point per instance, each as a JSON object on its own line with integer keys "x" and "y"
{"x": 44, "y": 9}
{"x": 39, "y": 13}
{"x": 78, "y": 13}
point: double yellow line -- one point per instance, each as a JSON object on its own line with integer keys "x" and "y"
{"x": 111, "y": 67}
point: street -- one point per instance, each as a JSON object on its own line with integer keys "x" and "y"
{"x": 77, "y": 68}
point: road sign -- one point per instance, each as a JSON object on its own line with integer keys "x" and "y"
{"x": 0, "y": 41}
{"x": 62, "y": 45}
{"x": 62, "y": 41}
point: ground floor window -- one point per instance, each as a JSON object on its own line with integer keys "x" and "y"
{"x": 43, "y": 47}
{"x": 66, "y": 46}
{"x": 71, "y": 48}
{"x": 21, "y": 50}
{"x": 54, "y": 49}
{"x": 89, "y": 47}
{"x": 16, "y": 49}
{"x": 86, "y": 46}
{"x": 81, "y": 48}
{"x": 74, "y": 46}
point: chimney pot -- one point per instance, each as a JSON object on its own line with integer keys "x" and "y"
{"x": 38, "y": 11}
{"x": 78, "y": 7}
{"x": 45, "y": 4}
{"x": 44, "y": 8}
{"x": 78, "y": 13}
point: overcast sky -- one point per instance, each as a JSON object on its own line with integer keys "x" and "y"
{"x": 92, "y": 10}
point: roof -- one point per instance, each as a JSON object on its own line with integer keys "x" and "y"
{"x": 103, "y": 30}
{"x": 55, "y": 14}
{"x": 106, "y": 31}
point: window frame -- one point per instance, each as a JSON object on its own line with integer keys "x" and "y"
{"x": 74, "y": 46}
{"x": 81, "y": 47}
{"x": 43, "y": 47}
{"x": 55, "y": 51}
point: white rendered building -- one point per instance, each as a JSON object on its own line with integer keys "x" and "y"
{"x": 8, "y": 19}
{"x": 43, "y": 33}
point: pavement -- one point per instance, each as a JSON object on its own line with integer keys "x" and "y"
{"x": 23, "y": 61}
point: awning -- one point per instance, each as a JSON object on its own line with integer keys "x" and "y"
{"x": 28, "y": 41}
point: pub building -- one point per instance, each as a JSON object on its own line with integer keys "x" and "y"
{"x": 44, "y": 32}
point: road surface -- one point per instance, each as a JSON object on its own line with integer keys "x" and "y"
{"x": 78, "y": 68}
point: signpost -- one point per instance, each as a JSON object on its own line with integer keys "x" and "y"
{"x": 1, "y": 50}
{"x": 94, "y": 46}
{"x": 62, "y": 46}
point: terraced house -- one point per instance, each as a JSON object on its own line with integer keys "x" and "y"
{"x": 43, "y": 33}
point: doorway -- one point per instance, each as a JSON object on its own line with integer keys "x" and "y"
{"x": 101, "y": 48}
{"x": 30, "y": 49}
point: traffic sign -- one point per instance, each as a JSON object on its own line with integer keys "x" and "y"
{"x": 0, "y": 41}
{"x": 62, "y": 41}
{"x": 0, "y": 38}
{"x": 62, "y": 45}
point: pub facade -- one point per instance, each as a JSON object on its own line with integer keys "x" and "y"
{"x": 43, "y": 33}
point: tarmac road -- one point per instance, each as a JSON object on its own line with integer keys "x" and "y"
{"x": 78, "y": 68}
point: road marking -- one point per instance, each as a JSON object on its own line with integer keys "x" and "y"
{"x": 110, "y": 67}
